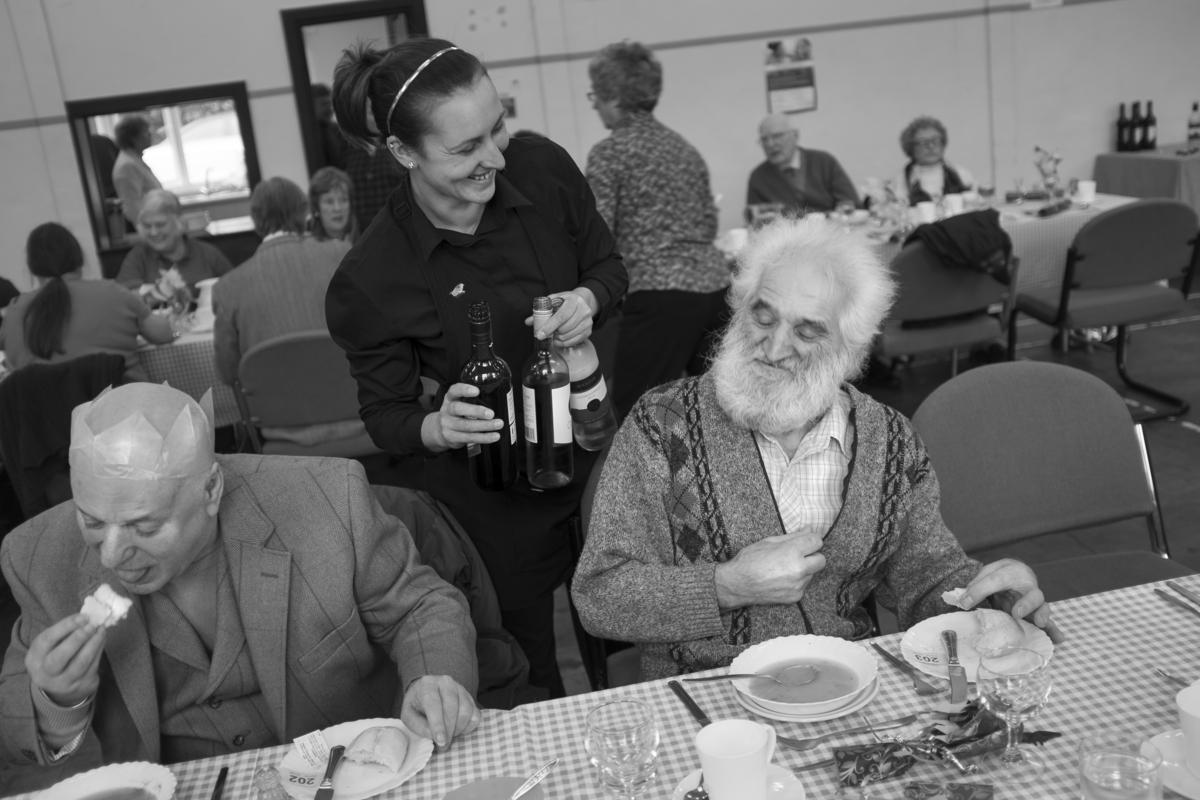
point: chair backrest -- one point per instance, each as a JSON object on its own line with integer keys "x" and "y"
{"x": 1025, "y": 448}
{"x": 929, "y": 289}
{"x": 297, "y": 379}
{"x": 1140, "y": 242}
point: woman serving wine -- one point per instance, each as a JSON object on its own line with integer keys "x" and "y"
{"x": 478, "y": 216}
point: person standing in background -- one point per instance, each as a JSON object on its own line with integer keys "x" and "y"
{"x": 652, "y": 187}
{"x": 131, "y": 177}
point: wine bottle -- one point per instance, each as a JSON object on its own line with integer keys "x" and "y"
{"x": 492, "y": 466}
{"x": 1122, "y": 130}
{"x": 1137, "y": 127}
{"x": 546, "y": 403}
{"x": 1150, "y": 137}
{"x": 592, "y": 418}
{"x": 1194, "y": 123}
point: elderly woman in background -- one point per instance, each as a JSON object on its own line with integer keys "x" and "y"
{"x": 652, "y": 187}
{"x": 166, "y": 254}
{"x": 927, "y": 175}
{"x": 68, "y": 316}
{"x": 329, "y": 193}
{"x": 131, "y": 177}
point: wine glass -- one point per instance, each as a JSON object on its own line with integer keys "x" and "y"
{"x": 622, "y": 744}
{"x": 1014, "y": 684}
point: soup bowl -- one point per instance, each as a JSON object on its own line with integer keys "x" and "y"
{"x": 844, "y": 670}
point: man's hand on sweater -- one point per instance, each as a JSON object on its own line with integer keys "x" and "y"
{"x": 772, "y": 571}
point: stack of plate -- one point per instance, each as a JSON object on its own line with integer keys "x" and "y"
{"x": 766, "y": 658}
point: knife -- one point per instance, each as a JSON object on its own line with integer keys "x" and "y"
{"x": 219, "y": 789}
{"x": 697, "y": 712}
{"x": 1175, "y": 601}
{"x": 325, "y": 792}
{"x": 955, "y": 671}
{"x": 1188, "y": 593}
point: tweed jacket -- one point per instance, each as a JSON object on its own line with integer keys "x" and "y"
{"x": 338, "y": 613}
{"x": 684, "y": 489}
{"x": 278, "y": 290}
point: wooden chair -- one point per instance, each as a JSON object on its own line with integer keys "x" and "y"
{"x": 1023, "y": 449}
{"x": 940, "y": 307}
{"x": 1116, "y": 273}
{"x": 296, "y": 397}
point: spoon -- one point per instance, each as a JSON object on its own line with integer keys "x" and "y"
{"x": 794, "y": 676}
{"x": 699, "y": 792}
{"x": 534, "y": 779}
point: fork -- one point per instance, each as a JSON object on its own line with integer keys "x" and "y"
{"x": 922, "y": 686}
{"x": 1172, "y": 678}
{"x": 813, "y": 741}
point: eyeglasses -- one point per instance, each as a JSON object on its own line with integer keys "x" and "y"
{"x": 771, "y": 138}
{"x": 935, "y": 141}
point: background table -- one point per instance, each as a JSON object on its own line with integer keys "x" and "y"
{"x": 1151, "y": 173}
{"x": 187, "y": 364}
{"x": 1102, "y": 681}
{"x": 1041, "y": 242}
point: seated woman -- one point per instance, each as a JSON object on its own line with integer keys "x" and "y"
{"x": 927, "y": 175}
{"x": 68, "y": 316}
{"x": 329, "y": 193}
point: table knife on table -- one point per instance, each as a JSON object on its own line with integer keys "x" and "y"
{"x": 697, "y": 712}
{"x": 954, "y": 670}
{"x": 1188, "y": 593}
{"x": 325, "y": 791}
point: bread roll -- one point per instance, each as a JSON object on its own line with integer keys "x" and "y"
{"x": 954, "y": 597}
{"x": 104, "y": 607}
{"x": 996, "y": 631}
{"x": 381, "y": 748}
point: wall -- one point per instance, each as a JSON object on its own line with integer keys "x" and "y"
{"x": 1002, "y": 77}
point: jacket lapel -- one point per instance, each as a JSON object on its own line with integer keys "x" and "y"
{"x": 261, "y": 580}
{"x": 127, "y": 648}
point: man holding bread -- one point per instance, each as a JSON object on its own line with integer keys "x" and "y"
{"x": 233, "y": 602}
{"x": 769, "y": 497}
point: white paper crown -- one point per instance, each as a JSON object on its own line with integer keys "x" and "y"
{"x": 134, "y": 448}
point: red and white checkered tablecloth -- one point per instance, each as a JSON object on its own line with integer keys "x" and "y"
{"x": 188, "y": 365}
{"x": 1102, "y": 680}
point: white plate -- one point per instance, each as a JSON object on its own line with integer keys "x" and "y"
{"x": 153, "y": 778}
{"x": 351, "y": 782}
{"x": 922, "y": 645}
{"x": 781, "y": 784}
{"x": 863, "y": 699}
{"x": 1176, "y": 776}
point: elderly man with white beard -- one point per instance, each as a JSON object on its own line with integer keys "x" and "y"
{"x": 769, "y": 497}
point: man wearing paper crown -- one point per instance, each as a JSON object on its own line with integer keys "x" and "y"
{"x": 272, "y": 597}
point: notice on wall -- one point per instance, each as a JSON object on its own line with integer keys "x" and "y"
{"x": 791, "y": 78}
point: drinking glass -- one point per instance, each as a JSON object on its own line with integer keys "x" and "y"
{"x": 987, "y": 192}
{"x": 622, "y": 744}
{"x": 1014, "y": 684}
{"x": 1119, "y": 766}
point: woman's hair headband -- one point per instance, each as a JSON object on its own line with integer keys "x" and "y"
{"x": 411, "y": 78}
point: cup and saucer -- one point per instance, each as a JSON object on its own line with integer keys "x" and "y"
{"x": 781, "y": 784}
{"x": 1175, "y": 773}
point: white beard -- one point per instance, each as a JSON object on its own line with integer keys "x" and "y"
{"x": 777, "y": 401}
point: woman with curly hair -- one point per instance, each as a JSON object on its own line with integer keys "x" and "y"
{"x": 927, "y": 175}
{"x": 652, "y": 186}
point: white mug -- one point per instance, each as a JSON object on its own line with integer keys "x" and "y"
{"x": 734, "y": 754}
{"x": 926, "y": 212}
{"x": 1187, "y": 703}
{"x": 1086, "y": 191}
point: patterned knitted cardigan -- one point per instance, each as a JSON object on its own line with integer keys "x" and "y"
{"x": 684, "y": 489}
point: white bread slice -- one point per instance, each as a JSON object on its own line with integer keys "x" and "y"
{"x": 104, "y": 607}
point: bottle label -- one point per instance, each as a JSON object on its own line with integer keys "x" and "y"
{"x": 512, "y": 418}
{"x": 591, "y": 390}
{"x": 560, "y": 401}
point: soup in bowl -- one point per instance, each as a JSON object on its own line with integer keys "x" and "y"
{"x": 819, "y": 674}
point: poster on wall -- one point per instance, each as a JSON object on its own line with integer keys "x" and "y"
{"x": 791, "y": 79}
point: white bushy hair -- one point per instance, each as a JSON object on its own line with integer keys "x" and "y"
{"x": 863, "y": 283}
